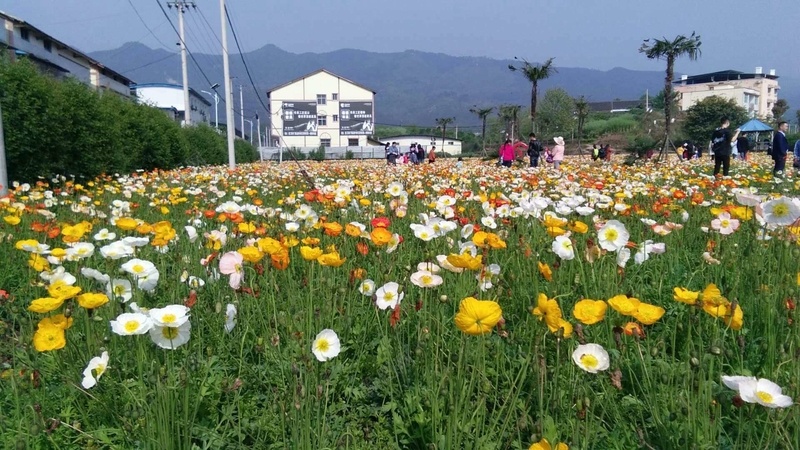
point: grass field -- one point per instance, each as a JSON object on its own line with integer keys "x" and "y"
{"x": 423, "y": 307}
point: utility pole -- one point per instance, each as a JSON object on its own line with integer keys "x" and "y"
{"x": 251, "y": 130}
{"x": 228, "y": 87}
{"x": 241, "y": 108}
{"x": 260, "y": 143}
{"x": 3, "y": 168}
{"x": 182, "y": 6}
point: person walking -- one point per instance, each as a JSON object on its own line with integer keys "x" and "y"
{"x": 558, "y": 152}
{"x": 534, "y": 150}
{"x": 796, "y": 162}
{"x": 721, "y": 142}
{"x": 743, "y": 145}
{"x": 780, "y": 148}
{"x": 432, "y": 155}
{"x": 507, "y": 153}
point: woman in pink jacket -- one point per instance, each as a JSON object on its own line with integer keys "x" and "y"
{"x": 558, "y": 152}
{"x": 507, "y": 153}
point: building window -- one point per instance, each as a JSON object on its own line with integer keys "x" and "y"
{"x": 335, "y": 96}
{"x": 335, "y": 117}
{"x": 322, "y": 120}
{"x": 48, "y": 45}
{"x": 24, "y": 34}
{"x": 321, "y": 100}
{"x": 325, "y": 142}
{"x": 352, "y": 142}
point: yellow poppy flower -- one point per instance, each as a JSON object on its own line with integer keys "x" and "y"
{"x": 590, "y": 312}
{"x": 246, "y": 227}
{"x": 127, "y": 223}
{"x": 45, "y": 304}
{"x": 12, "y": 220}
{"x": 551, "y": 221}
{"x": 251, "y": 254}
{"x": 63, "y": 291}
{"x": 648, "y": 314}
{"x": 545, "y": 270}
{"x": 48, "y": 338}
{"x": 59, "y": 320}
{"x": 494, "y": 241}
{"x": 332, "y": 228}
{"x": 38, "y": 263}
{"x": 685, "y": 296}
{"x": 477, "y": 317}
{"x": 544, "y": 444}
{"x": 547, "y": 309}
{"x": 310, "y": 253}
{"x": 92, "y": 300}
{"x": 623, "y": 304}
{"x": 578, "y": 227}
{"x": 380, "y": 236}
{"x": 269, "y": 245}
{"x": 735, "y": 320}
{"x": 331, "y": 259}
{"x": 556, "y": 231}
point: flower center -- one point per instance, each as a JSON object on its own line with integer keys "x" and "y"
{"x": 764, "y": 396}
{"x": 168, "y": 318}
{"x": 323, "y": 345}
{"x": 611, "y": 234}
{"x": 138, "y": 268}
{"x": 589, "y": 361}
{"x": 131, "y": 326}
{"x": 780, "y": 210}
{"x": 427, "y": 279}
{"x": 388, "y": 296}
{"x": 169, "y": 333}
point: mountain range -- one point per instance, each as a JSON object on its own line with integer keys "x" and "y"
{"x": 412, "y": 87}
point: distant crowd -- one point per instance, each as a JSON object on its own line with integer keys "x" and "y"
{"x": 416, "y": 154}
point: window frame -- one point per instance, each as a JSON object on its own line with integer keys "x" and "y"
{"x": 322, "y": 99}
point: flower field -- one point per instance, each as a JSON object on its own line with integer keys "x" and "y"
{"x": 360, "y": 306}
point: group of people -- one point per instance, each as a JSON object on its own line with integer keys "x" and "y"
{"x": 415, "y": 155}
{"x": 725, "y": 144}
{"x": 601, "y": 152}
{"x": 535, "y": 151}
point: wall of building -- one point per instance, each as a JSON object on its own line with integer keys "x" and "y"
{"x": 77, "y": 65}
{"x": 335, "y": 90}
{"x": 172, "y": 97}
{"x": 757, "y": 95}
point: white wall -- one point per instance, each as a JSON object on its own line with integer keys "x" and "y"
{"x": 172, "y": 97}
{"x": 307, "y": 89}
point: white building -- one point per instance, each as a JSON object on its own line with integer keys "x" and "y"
{"x": 756, "y": 92}
{"x": 321, "y": 109}
{"x": 451, "y": 146}
{"x": 167, "y": 96}
{"x": 23, "y": 40}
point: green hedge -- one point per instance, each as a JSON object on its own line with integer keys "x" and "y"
{"x": 65, "y": 127}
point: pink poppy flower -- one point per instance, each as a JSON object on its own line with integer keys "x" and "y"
{"x": 231, "y": 264}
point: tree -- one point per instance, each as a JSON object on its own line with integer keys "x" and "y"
{"x": 534, "y": 74}
{"x": 482, "y": 114}
{"x": 581, "y": 112}
{"x": 670, "y": 50}
{"x": 556, "y": 115}
{"x": 705, "y": 116}
{"x": 779, "y": 109}
{"x": 797, "y": 113}
{"x": 442, "y": 124}
{"x": 508, "y": 113}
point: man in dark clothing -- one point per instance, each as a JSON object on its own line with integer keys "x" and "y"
{"x": 780, "y": 147}
{"x": 721, "y": 147}
{"x": 743, "y": 146}
{"x": 534, "y": 150}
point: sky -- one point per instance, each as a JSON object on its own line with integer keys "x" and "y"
{"x": 599, "y": 34}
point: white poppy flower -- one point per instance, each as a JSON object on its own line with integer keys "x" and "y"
{"x": 389, "y": 295}
{"x": 171, "y": 338}
{"x": 129, "y": 324}
{"x": 96, "y": 368}
{"x": 326, "y": 345}
{"x": 592, "y": 358}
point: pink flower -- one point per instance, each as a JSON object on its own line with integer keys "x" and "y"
{"x": 724, "y": 224}
{"x": 231, "y": 264}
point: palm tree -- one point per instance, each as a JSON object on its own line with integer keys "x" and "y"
{"x": 482, "y": 114}
{"x": 509, "y": 115}
{"x": 534, "y": 74}
{"x": 582, "y": 112}
{"x": 670, "y": 50}
{"x": 442, "y": 123}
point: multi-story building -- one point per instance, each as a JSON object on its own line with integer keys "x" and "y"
{"x": 169, "y": 97}
{"x": 756, "y": 92}
{"x": 321, "y": 109}
{"x": 23, "y": 40}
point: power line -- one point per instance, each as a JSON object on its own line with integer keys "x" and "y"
{"x": 150, "y": 63}
{"x": 146, "y": 26}
{"x": 184, "y": 43}
{"x": 246, "y": 68}
{"x": 213, "y": 33}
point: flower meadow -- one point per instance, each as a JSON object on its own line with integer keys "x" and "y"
{"x": 358, "y": 306}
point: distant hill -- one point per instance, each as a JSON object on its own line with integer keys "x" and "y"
{"x": 412, "y": 87}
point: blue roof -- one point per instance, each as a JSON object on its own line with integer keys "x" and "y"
{"x": 754, "y": 125}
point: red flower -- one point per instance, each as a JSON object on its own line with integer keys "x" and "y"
{"x": 380, "y": 222}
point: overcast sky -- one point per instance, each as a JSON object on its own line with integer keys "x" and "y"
{"x": 599, "y": 34}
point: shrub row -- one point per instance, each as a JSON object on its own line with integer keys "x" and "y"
{"x": 65, "y": 127}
